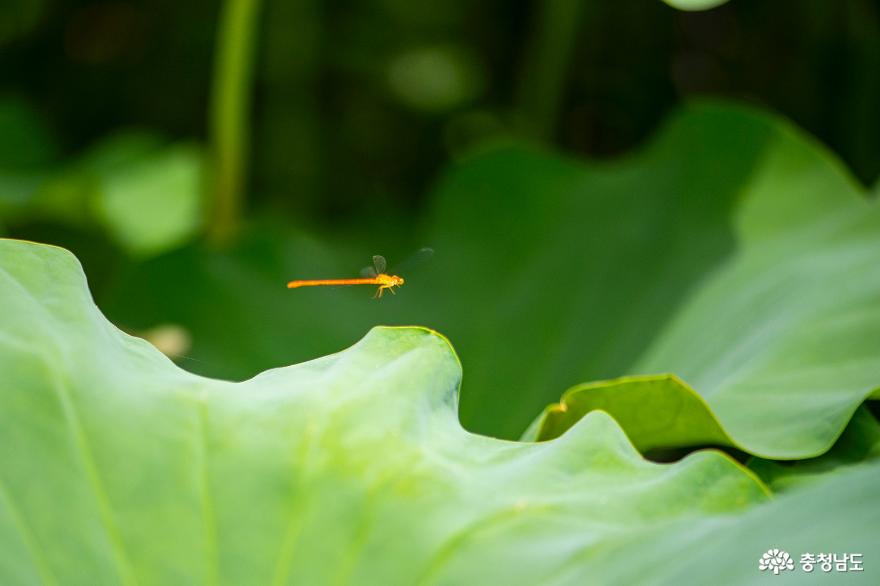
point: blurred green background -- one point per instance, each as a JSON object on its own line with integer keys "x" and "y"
{"x": 123, "y": 124}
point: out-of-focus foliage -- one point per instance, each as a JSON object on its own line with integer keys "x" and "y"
{"x": 26, "y": 149}
{"x": 145, "y": 193}
{"x": 19, "y": 18}
{"x": 336, "y": 139}
{"x": 435, "y": 78}
{"x": 695, "y": 4}
{"x": 154, "y": 202}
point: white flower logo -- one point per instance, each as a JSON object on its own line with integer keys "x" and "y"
{"x": 775, "y": 560}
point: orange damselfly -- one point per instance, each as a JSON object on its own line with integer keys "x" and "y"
{"x": 373, "y": 275}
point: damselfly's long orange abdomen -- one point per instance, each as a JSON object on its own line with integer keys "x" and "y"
{"x": 378, "y": 277}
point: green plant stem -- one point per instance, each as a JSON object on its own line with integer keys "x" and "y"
{"x": 229, "y": 116}
{"x": 546, "y": 66}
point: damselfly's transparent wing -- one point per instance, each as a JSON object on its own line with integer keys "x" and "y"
{"x": 380, "y": 265}
{"x": 413, "y": 260}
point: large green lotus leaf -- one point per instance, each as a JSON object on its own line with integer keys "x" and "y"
{"x": 836, "y": 515}
{"x": 859, "y": 443}
{"x": 661, "y": 412}
{"x": 658, "y": 412}
{"x": 731, "y": 251}
{"x": 782, "y": 340}
{"x": 120, "y": 467}
{"x": 795, "y": 315}
{"x": 776, "y": 253}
